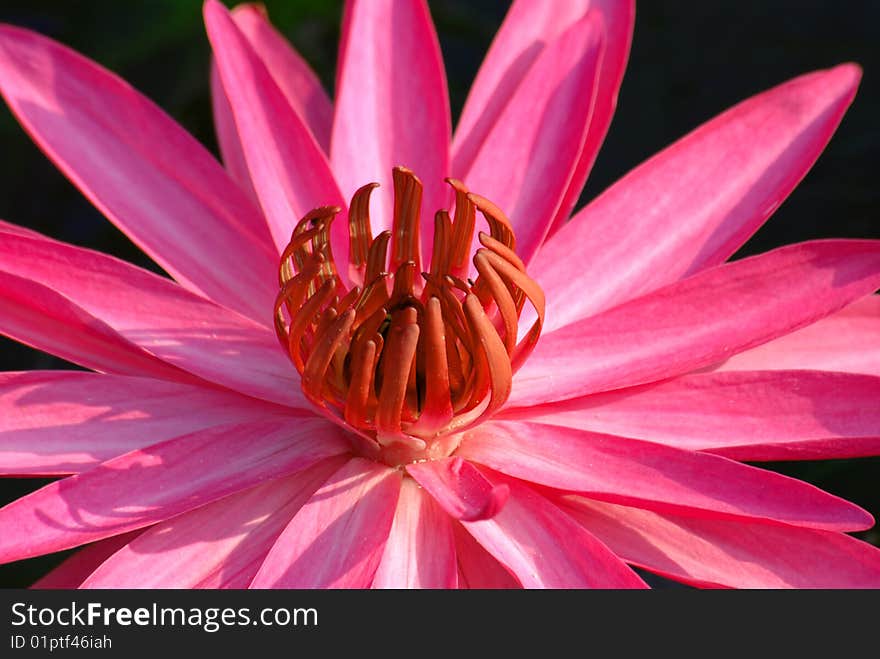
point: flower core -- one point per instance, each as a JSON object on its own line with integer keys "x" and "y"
{"x": 406, "y": 358}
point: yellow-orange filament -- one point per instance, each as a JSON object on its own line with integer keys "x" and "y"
{"x": 406, "y": 357}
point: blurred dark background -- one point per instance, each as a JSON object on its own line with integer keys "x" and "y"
{"x": 690, "y": 60}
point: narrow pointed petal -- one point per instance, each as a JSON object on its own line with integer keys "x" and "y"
{"x": 153, "y": 484}
{"x": 289, "y": 70}
{"x": 460, "y": 488}
{"x": 694, "y": 204}
{"x": 76, "y": 569}
{"x": 654, "y": 476}
{"x": 477, "y": 568}
{"x": 289, "y": 171}
{"x": 718, "y": 552}
{"x": 34, "y": 315}
{"x": 392, "y": 106}
{"x": 747, "y": 415}
{"x": 159, "y": 316}
{"x": 420, "y": 551}
{"x": 220, "y": 545}
{"x": 545, "y": 548}
{"x": 528, "y": 28}
{"x": 527, "y": 159}
{"x": 844, "y": 341}
{"x": 699, "y": 321}
{"x": 337, "y": 539}
{"x": 65, "y": 422}
{"x": 146, "y": 174}
{"x": 8, "y": 227}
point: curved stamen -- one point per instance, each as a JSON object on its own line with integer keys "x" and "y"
{"x": 402, "y": 359}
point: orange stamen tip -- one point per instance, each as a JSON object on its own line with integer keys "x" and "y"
{"x": 407, "y": 361}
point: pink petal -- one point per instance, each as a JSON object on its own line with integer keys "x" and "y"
{"x": 289, "y": 171}
{"x": 158, "y": 315}
{"x": 527, "y": 30}
{"x": 844, "y": 341}
{"x": 41, "y": 318}
{"x": 526, "y": 160}
{"x": 749, "y": 415}
{"x": 62, "y": 422}
{"x": 477, "y": 568}
{"x": 545, "y": 548}
{"x": 7, "y": 227}
{"x": 294, "y": 78}
{"x": 392, "y": 106}
{"x": 289, "y": 70}
{"x": 153, "y": 484}
{"x": 220, "y": 545}
{"x": 654, "y": 476}
{"x": 691, "y": 206}
{"x": 699, "y": 321}
{"x": 337, "y": 539}
{"x": 146, "y": 174}
{"x": 420, "y": 551}
{"x": 460, "y": 488}
{"x": 74, "y": 570}
{"x": 718, "y": 552}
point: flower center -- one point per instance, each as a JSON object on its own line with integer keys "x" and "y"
{"x": 406, "y": 358}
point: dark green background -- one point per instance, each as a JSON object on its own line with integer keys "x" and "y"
{"x": 690, "y": 60}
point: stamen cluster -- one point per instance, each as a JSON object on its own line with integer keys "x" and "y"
{"x": 406, "y": 357}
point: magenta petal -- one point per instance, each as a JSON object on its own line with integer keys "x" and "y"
{"x": 460, "y": 488}
{"x": 289, "y": 171}
{"x": 420, "y": 551}
{"x": 749, "y": 415}
{"x": 392, "y": 106}
{"x": 156, "y": 314}
{"x": 220, "y": 545}
{"x": 844, "y": 341}
{"x": 699, "y": 321}
{"x": 719, "y": 552}
{"x": 337, "y": 539}
{"x": 477, "y": 568}
{"x": 62, "y": 422}
{"x": 692, "y": 206}
{"x": 545, "y": 548}
{"x": 145, "y": 173}
{"x": 35, "y": 315}
{"x": 654, "y": 476}
{"x": 158, "y": 482}
{"x": 526, "y": 160}
{"x": 74, "y": 570}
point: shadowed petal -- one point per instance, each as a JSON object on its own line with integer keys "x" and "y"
{"x": 289, "y": 171}
{"x": 74, "y": 570}
{"x": 420, "y": 551}
{"x": 460, "y": 488}
{"x": 220, "y": 545}
{"x": 527, "y": 159}
{"x": 161, "y": 317}
{"x": 691, "y": 206}
{"x": 337, "y": 539}
{"x": 392, "y": 106}
{"x": 748, "y": 415}
{"x": 146, "y": 174}
{"x": 719, "y": 552}
{"x": 699, "y": 321}
{"x": 527, "y": 30}
{"x": 63, "y": 422}
{"x": 477, "y": 568}
{"x": 654, "y": 476}
{"x": 844, "y": 341}
{"x": 153, "y": 484}
{"x": 35, "y": 315}
{"x": 545, "y": 548}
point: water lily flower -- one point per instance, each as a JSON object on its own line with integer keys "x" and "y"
{"x": 446, "y": 380}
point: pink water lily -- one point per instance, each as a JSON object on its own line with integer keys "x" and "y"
{"x": 552, "y": 403}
